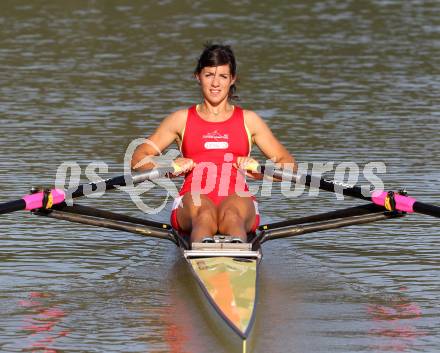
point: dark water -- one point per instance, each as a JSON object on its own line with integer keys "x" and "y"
{"x": 340, "y": 81}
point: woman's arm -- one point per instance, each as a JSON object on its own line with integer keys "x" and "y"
{"x": 263, "y": 137}
{"x": 168, "y": 131}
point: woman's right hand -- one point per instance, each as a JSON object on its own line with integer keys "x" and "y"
{"x": 183, "y": 165}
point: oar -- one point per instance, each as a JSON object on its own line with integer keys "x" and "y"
{"x": 389, "y": 200}
{"x": 57, "y": 196}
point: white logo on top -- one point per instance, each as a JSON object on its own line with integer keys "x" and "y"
{"x": 215, "y": 135}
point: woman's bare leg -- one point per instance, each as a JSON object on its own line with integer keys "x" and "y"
{"x": 199, "y": 219}
{"x": 236, "y": 216}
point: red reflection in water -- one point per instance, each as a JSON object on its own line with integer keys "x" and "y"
{"x": 42, "y": 323}
{"x": 179, "y": 324}
{"x": 174, "y": 335}
{"x": 395, "y": 322}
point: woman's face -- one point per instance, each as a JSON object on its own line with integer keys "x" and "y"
{"x": 215, "y": 82}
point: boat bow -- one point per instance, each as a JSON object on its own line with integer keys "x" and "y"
{"x": 227, "y": 274}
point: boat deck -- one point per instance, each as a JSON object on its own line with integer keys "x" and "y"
{"x": 227, "y": 274}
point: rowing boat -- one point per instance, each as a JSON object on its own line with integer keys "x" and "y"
{"x": 227, "y": 275}
{"x": 226, "y": 272}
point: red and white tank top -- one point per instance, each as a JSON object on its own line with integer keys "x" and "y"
{"x": 214, "y": 147}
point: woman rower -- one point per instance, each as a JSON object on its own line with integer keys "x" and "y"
{"x": 215, "y": 140}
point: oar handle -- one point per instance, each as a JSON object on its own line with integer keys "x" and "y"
{"x": 121, "y": 180}
{"x": 322, "y": 184}
{"x": 57, "y": 196}
{"x": 379, "y": 197}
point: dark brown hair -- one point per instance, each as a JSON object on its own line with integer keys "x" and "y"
{"x": 216, "y": 55}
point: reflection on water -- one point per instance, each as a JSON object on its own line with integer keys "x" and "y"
{"x": 42, "y": 323}
{"x": 342, "y": 81}
{"x": 396, "y": 324}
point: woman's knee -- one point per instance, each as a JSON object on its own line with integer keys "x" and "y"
{"x": 191, "y": 215}
{"x": 206, "y": 218}
{"x": 229, "y": 217}
{"x": 205, "y": 214}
